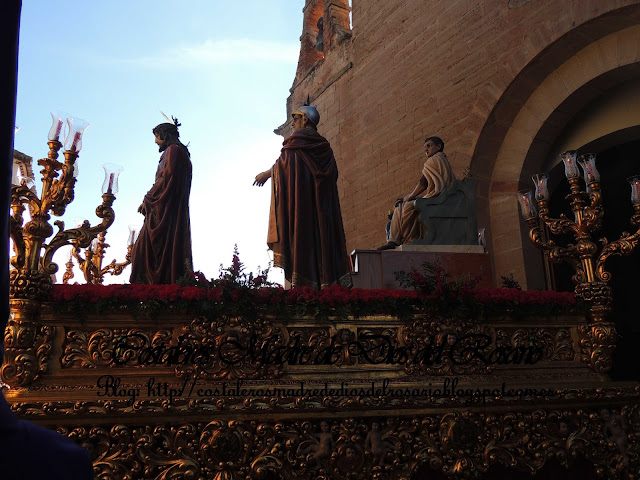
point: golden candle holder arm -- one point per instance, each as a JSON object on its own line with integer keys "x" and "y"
{"x": 20, "y": 195}
{"x": 623, "y": 246}
{"x": 568, "y": 255}
{"x": 598, "y": 338}
{"x": 96, "y": 260}
{"x": 75, "y": 252}
{"x": 57, "y": 193}
{"x": 51, "y": 166}
{"x": 592, "y": 214}
{"x": 68, "y": 273}
{"x": 117, "y": 268}
{"x": 91, "y": 263}
{"x": 555, "y": 253}
{"x": 81, "y": 236}
{"x": 84, "y": 263}
{"x": 557, "y": 226}
{"x": 15, "y": 233}
{"x": 65, "y": 186}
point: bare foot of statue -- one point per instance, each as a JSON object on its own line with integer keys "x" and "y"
{"x": 388, "y": 246}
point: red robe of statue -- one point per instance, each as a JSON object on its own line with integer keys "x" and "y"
{"x": 305, "y": 223}
{"x": 164, "y": 244}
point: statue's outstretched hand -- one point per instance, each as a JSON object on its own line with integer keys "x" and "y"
{"x": 261, "y": 178}
{"x": 142, "y": 210}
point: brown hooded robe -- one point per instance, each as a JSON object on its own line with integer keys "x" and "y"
{"x": 305, "y": 223}
{"x": 164, "y": 243}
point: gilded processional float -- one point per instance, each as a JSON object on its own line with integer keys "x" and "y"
{"x": 234, "y": 379}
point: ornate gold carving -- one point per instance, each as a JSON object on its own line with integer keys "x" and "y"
{"x": 597, "y": 343}
{"x": 441, "y": 346}
{"x": 459, "y": 444}
{"x": 27, "y": 344}
{"x": 584, "y": 255}
{"x": 81, "y": 236}
{"x": 223, "y": 348}
{"x": 91, "y": 263}
{"x": 598, "y": 294}
{"x": 96, "y": 349}
{"x": 235, "y": 348}
{"x": 213, "y": 405}
{"x": 56, "y": 194}
{"x": 623, "y": 246}
{"x": 556, "y": 343}
{"x": 28, "y": 284}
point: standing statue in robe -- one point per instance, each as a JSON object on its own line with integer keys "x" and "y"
{"x": 305, "y": 224}
{"x": 162, "y": 252}
{"x": 437, "y": 175}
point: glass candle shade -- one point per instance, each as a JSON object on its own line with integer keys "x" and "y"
{"x": 94, "y": 245}
{"x": 571, "y": 169}
{"x": 635, "y": 189}
{"x": 28, "y": 182}
{"x": 111, "y": 173}
{"x": 540, "y": 182}
{"x": 527, "y": 207}
{"x": 134, "y": 230}
{"x": 77, "y": 126}
{"x": 588, "y": 164}
{"x": 58, "y": 123}
{"x": 24, "y": 180}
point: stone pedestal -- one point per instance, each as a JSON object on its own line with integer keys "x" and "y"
{"x": 375, "y": 268}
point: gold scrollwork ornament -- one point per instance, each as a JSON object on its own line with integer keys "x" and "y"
{"x": 597, "y": 344}
{"x": 28, "y": 344}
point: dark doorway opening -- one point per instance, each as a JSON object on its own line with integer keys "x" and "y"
{"x": 615, "y": 165}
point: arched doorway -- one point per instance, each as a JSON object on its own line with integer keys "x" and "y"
{"x": 589, "y": 101}
{"x": 504, "y": 162}
{"x": 616, "y": 162}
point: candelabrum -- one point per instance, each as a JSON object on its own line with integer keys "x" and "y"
{"x": 91, "y": 262}
{"x": 27, "y": 343}
{"x": 586, "y": 256}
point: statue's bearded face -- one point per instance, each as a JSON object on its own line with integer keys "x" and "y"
{"x": 162, "y": 144}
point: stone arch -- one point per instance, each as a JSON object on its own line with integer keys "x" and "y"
{"x": 520, "y": 132}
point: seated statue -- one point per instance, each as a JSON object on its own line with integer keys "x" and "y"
{"x": 449, "y": 218}
{"x": 437, "y": 175}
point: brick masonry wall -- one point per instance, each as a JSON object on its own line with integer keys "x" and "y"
{"x": 430, "y": 67}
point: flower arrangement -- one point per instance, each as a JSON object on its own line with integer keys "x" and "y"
{"x": 241, "y": 293}
{"x": 462, "y": 298}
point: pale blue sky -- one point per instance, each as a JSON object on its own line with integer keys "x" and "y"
{"x": 223, "y": 68}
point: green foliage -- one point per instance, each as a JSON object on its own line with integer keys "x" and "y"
{"x": 510, "y": 282}
{"x": 450, "y": 297}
